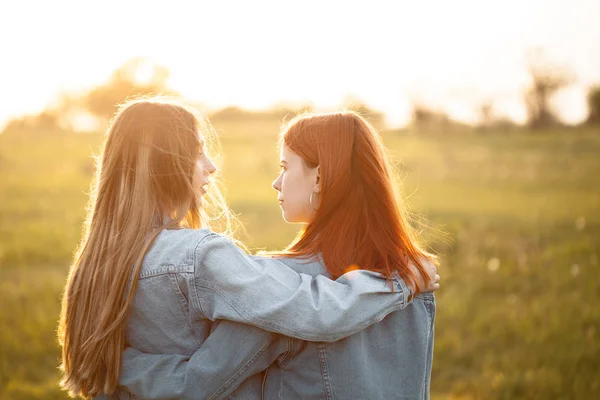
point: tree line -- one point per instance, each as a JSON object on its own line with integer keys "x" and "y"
{"x": 93, "y": 108}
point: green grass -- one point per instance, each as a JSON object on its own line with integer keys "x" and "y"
{"x": 515, "y": 216}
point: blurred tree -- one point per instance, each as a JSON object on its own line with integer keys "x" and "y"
{"x": 91, "y": 110}
{"x": 593, "y": 100}
{"x": 138, "y": 76}
{"x": 489, "y": 119}
{"x": 46, "y": 121}
{"x": 230, "y": 113}
{"x": 486, "y": 113}
{"x": 547, "y": 78}
{"x": 279, "y": 113}
{"x": 424, "y": 115}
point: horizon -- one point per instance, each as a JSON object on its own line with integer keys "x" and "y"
{"x": 453, "y": 57}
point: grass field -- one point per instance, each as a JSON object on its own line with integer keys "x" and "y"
{"x": 515, "y": 218}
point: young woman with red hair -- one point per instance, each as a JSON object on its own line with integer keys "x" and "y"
{"x": 336, "y": 179}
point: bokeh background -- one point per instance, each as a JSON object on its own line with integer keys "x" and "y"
{"x": 490, "y": 111}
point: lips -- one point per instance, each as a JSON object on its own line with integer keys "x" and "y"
{"x": 203, "y": 188}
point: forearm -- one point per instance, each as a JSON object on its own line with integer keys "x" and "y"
{"x": 232, "y": 353}
{"x": 268, "y": 294}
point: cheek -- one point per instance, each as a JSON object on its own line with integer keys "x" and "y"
{"x": 295, "y": 194}
{"x": 197, "y": 173}
{"x": 289, "y": 185}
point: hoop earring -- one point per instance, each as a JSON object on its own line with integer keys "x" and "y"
{"x": 310, "y": 199}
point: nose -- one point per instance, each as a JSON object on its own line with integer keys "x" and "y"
{"x": 277, "y": 183}
{"x": 210, "y": 166}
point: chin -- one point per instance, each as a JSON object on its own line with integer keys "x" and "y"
{"x": 293, "y": 219}
{"x": 285, "y": 218}
{"x": 288, "y": 218}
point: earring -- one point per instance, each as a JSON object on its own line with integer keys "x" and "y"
{"x": 310, "y": 199}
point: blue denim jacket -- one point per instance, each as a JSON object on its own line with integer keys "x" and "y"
{"x": 388, "y": 360}
{"x": 191, "y": 278}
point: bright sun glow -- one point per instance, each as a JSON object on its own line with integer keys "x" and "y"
{"x": 452, "y": 55}
{"x": 144, "y": 73}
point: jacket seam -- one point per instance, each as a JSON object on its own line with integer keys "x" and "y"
{"x": 165, "y": 269}
{"x": 241, "y": 370}
{"x": 183, "y": 302}
{"x": 193, "y": 289}
{"x": 324, "y": 371}
{"x": 285, "y": 358}
{"x": 430, "y": 307}
{"x": 406, "y": 292}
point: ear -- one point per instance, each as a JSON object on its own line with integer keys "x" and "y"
{"x": 318, "y": 180}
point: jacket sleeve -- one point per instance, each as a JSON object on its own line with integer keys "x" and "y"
{"x": 229, "y": 284}
{"x": 232, "y": 353}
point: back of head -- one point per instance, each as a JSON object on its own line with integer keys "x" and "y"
{"x": 144, "y": 183}
{"x": 360, "y": 222}
{"x": 148, "y": 162}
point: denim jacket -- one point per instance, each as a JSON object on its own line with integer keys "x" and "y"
{"x": 191, "y": 278}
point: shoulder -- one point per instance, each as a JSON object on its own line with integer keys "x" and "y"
{"x": 207, "y": 242}
{"x": 174, "y": 251}
{"x": 311, "y": 266}
{"x": 215, "y": 252}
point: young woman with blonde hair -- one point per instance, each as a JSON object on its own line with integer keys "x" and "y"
{"x": 336, "y": 179}
{"x": 149, "y": 274}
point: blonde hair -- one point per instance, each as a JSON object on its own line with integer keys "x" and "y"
{"x": 143, "y": 184}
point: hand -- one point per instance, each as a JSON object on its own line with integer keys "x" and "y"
{"x": 434, "y": 281}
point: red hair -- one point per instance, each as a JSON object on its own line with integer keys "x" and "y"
{"x": 359, "y": 223}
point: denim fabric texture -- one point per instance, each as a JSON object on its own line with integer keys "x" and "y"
{"x": 207, "y": 317}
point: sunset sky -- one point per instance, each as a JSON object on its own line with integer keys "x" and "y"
{"x": 450, "y": 54}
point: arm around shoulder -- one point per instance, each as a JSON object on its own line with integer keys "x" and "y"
{"x": 229, "y": 284}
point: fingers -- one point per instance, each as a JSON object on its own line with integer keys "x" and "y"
{"x": 431, "y": 270}
{"x": 434, "y": 283}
